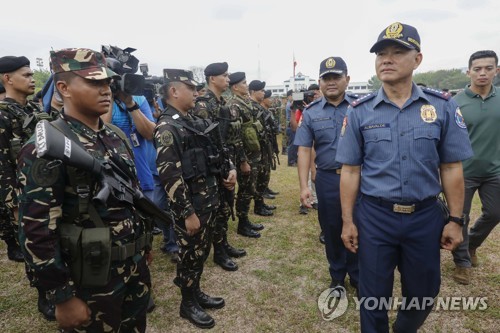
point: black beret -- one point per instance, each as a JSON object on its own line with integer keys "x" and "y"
{"x": 267, "y": 93}
{"x": 217, "y": 68}
{"x": 11, "y": 63}
{"x": 236, "y": 78}
{"x": 2, "y": 88}
{"x": 256, "y": 85}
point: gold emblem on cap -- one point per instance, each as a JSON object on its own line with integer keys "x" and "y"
{"x": 394, "y": 31}
{"x": 428, "y": 113}
{"x": 330, "y": 63}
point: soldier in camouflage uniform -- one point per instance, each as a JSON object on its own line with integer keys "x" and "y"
{"x": 272, "y": 125}
{"x": 57, "y": 198}
{"x": 256, "y": 89}
{"x": 18, "y": 117}
{"x": 189, "y": 167}
{"x": 248, "y": 155}
{"x": 212, "y": 106}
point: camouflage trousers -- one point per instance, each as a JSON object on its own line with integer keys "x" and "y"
{"x": 220, "y": 221}
{"x": 193, "y": 250}
{"x": 246, "y": 191}
{"x": 8, "y": 230}
{"x": 121, "y": 305}
{"x": 263, "y": 176}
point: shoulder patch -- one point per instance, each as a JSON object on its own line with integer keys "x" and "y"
{"x": 316, "y": 101}
{"x": 166, "y": 138}
{"x": 459, "y": 118}
{"x": 42, "y": 174}
{"x": 363, "y": 99}
{"x": 438, "y": 93}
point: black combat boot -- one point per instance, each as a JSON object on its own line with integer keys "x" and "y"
{"x": 191, "y": 310}
{"x": 269, "y": 207}
{"x": 14, "y": 251}
{"x": 259, "y": 209}
{"x": 207, "y": 302}
{"x": 268, "y": 190}
{"x": 45, "y": 307}
{"x": 231, "y": 251}
{"x": 222, "y": 259}
{"x": 245, "y": 229}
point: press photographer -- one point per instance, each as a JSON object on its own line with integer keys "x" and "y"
{"x": 132, "y": 113}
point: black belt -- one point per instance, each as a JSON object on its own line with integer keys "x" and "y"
{"x": 401, "y": 207}
{"x": 337, "y": 171}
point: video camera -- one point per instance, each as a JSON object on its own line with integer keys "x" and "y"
{"x": 301, "y": 99}
{"x": 152, "y": 84}
{"x": 123, "y": 63}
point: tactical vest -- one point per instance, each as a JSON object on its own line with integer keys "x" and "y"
{"x": 90, "y": 249}
{"x": 201, "y": 160}
{"x": 23, "y": 124}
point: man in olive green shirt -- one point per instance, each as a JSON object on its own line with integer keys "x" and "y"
{"x": 480, "y": 107}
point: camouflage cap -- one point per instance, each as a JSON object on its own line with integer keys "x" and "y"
{"x": 86, "y": 63}
{"x": 179, "y": 75}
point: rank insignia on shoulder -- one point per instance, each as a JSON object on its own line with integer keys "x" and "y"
{"x": 363, "y": 99}
{"x": 435, "y": 92}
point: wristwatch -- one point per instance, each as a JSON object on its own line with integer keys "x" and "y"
{"x": 459, "y": 220}
{"x": 133, "y": 108}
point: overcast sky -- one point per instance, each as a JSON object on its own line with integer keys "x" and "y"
{"x": 250, "y": 34}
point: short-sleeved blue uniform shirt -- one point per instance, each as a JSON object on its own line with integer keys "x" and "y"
{"x": 321, "y": 125}
{"x": 400, "y": 150}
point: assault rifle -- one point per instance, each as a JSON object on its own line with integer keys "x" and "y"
{"x": 53, "y": 144}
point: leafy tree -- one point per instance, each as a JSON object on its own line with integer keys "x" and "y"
{"x": 41, "y": 76}
{"x": 440, "y": 79}
{"x": 374, "y": 83}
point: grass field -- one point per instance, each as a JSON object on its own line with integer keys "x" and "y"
{"x": 277, "y": 285}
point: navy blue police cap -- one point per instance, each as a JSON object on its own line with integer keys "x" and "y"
{"x": 399, "y": 33}
{"x": 217, "y": 68}
{"x": 256, "y": 85}
{"x": 268, "y": 93}
{"x": 332, "y": 65}
{"x": 11, "y": 63}
{"x": 236, "y": 77}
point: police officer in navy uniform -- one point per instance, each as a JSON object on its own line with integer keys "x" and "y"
{"x": 403, "y": 139}
{"x": 321, "y": 124}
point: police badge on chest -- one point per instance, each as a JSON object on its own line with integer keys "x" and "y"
{"x": 134, "y": 140}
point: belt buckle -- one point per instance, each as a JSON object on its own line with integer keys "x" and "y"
{"x": 403, "y": 209}
{"x": 338, "y": 171}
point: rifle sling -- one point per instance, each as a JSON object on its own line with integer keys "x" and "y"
{"x": 80, "y": 182}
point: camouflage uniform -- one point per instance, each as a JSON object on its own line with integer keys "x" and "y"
{"x": 50, "y": 199}
{"x": 12, "y": 137}
{"x": 47, "y": 200}
{"x": 264, "y": 167}
{"x": 188, "y": 193}
{"x": 208, "y": 107}
{"x": 250, "y": 153}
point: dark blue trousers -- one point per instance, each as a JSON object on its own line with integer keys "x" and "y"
{"x": 410, "y": 242}
{"x": 340, "y": 260}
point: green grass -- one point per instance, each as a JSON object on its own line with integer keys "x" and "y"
{"x": 277, "y": 285}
